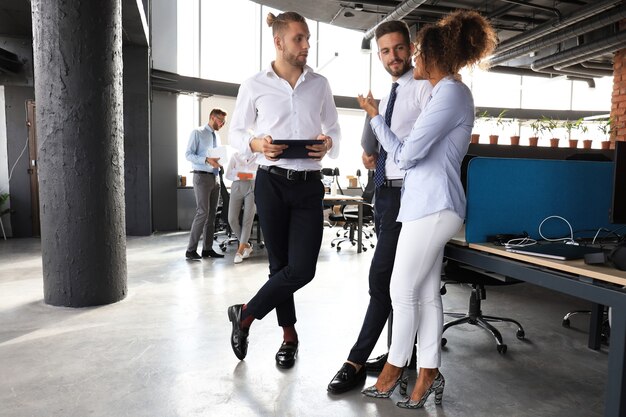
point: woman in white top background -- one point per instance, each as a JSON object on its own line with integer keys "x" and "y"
{"x": 241, "y": 171}
{"x": 433, "y": 201}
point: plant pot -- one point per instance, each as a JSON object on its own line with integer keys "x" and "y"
{"x": 554, "y": 142}
{"x": 573, "y": 143}
{"x": 475, "y": 137}
{"x": 605, "y": 144}
{"x": 493, "y": 139}
{"x": 515, "y": 140}
{"x": 533, "y": 140}
{"x": 587, "y": 144}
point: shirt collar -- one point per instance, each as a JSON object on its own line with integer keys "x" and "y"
{"x": 209, "y": 128}
{"x": 269, "y": 71}
{"x": 405, "y": 78}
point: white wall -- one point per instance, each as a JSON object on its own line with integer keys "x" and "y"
{"x": 164, "y": 35}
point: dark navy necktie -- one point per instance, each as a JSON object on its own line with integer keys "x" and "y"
{"x": 379, "y": 174}
{"x": 216, "y": 171}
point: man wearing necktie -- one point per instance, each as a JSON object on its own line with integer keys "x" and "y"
{"x": 401, "y": 108}
{"x": 205, "y": 184}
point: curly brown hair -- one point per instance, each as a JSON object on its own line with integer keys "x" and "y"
{"x": 280, "y": 22}
{"x": 462, "y": 38}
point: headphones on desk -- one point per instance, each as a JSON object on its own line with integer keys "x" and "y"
{"x": 617, "y": 257}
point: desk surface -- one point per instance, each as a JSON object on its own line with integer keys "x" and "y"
{"x": 578, "y": 266}
{"x": 342, "y": 197}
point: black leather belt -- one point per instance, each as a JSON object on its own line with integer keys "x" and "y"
{"x": 291, "y": 174}
{"x": 202, "y": 172}
{"x": 393, "y": 183}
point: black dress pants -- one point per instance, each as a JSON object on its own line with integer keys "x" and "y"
{"x": 386, "y": 207}
{"x": 291, "y": 217}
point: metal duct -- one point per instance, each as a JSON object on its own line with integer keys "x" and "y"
{"x": 593, "y": 23}
{"x": 402, "y": 10}
{"x": 582, "y": 53}
{"x": 547, "y": 73}
{"x": 552, "y": 26}
{"x": 580, "y": 70}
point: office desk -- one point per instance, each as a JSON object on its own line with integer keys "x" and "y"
{"x": 348, "y": 200}
{"x": 598, "y": 284}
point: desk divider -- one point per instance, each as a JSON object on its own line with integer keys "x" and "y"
{"x": 514, "y": 196}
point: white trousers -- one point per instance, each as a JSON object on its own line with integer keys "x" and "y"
{"x": 414, "y": 288}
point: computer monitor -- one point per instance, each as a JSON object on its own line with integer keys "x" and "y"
{"x": 618, "y": 205}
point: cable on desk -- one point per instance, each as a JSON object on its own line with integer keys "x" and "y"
{"x": 569, "y": 240}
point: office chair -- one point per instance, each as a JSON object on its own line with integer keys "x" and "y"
{"x": 331, "y": 176}
{"x": 350, "y": 215}
{"x": 478, "y": 281}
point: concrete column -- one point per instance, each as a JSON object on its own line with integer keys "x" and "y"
{"x": 78, "y": 90}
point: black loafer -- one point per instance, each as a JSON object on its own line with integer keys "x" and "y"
{"x": 376, "y": 365}
{"x": 286, "y": 355}
{"x": 346, "y": 379}
{"x": 192, "y": 254}
{"x": 238, "y": 336}
{"x": 211, "y": 254}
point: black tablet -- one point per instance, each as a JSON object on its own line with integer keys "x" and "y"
{"x": 296, "y": 149}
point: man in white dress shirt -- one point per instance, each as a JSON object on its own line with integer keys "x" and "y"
{"x": 285, "y": 101}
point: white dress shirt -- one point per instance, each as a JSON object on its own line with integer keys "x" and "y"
{"x": 411, "y": 98}
{"x": 241, "y": 163}
{"x": 431, "y": 155}
{"x": 267, "y": 105}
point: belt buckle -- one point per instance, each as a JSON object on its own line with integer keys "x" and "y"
{"x": 291, "y": 174}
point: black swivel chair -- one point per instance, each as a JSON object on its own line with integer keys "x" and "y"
{"x": 350, "y": 217}
{"x": 478, "y": 281}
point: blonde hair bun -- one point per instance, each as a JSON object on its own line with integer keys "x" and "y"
{"x": 270, "y": 19}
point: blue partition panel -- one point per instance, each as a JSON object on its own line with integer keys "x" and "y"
{"x": 515, "y": 195}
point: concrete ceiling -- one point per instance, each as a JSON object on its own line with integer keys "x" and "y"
{"x": 577, "y": 26}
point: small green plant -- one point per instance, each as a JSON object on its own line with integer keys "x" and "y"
{"x": 537, "y": 127}
{"x": 570, "y": 125}
{"x": 549, "y": 124}
{"x": 582, "y": 126}
{"x": 606, "y": 127}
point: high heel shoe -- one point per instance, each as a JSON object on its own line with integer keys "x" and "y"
{"x": 374, "y": 393}
{"x": 437, "y": 387}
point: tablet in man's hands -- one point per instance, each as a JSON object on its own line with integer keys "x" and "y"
{"x": 296, "y": 149}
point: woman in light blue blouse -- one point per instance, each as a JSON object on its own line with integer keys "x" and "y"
{"x": 433, "y": 201}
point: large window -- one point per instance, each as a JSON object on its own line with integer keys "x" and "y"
{"x": 230, "y": 41}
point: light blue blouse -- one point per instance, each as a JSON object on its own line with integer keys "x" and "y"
{"x": 431, "y": 155}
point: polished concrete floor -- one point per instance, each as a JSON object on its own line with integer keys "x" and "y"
{"x": 164, "y": 350}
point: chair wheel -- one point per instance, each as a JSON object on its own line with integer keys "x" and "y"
{"x": 520, "y": 334}
{"x": 443, "y": 291}
{"x": 501, "y": 349}
{"x": 364, "y": 249}
{"x": 338, "y": 248}
{"x": 565, "y": 323}
{"x": 332, "y": 245}
{"x": 443, "y": 341}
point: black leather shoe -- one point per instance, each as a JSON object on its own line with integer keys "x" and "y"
{"x": 211, "y": 254}
{"x": 346, "y": 379}
{"x": 192, "y": 254}
{"x": 238, "y": 336}
{"x": 286, "y": 355}
{"x": 376, "y": 365}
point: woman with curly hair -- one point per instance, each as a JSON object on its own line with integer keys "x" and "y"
{"x": 433, "y": 201}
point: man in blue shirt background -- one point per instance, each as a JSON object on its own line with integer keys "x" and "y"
{"x": 205, "y": 185}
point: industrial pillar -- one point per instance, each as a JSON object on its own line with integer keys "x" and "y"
{"x": 77, "y": 48}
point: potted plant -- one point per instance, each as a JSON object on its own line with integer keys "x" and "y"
{"x": 514, "y": 138}
{"x": 583, "y": 128}
{"x": 606, "y": 127}
{"x": 549, "y": 125}
{"x": 476, "y": 136}
{"x": 569, "y": 125}
{"x": 500, "y": 122}
{"x": 537, "y": 127}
